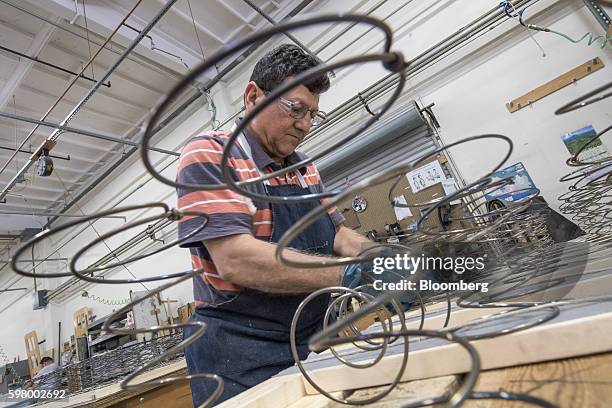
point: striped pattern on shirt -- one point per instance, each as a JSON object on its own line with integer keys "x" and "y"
{"x": 230, "y": 213}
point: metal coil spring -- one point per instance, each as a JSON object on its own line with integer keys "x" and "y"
{"x": 104, "y": 301}
{"x": 589, "y": 199}
{"x": 88, "y": 275}
{"x": 17, "y": 378}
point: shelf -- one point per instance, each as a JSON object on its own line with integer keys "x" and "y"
{"x": 102, "y": 339}
{"x": 100, "y": 321}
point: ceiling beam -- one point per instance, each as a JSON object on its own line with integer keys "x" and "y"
{"x": 57, "y": 167}
{"x": 56, "y": 50}
{"x": 43, "y": 131}
{"x": 74, "y": 159}
{"x": 103, "y": 19}
{"x": 162, "y": 40}
{"x": 7, "y": 128}
{"x": 187, "y": 18}
{"x": 234, "y": 12}
{"x": 17, "y": 201}
{"x": 97, "y": 39}
{"x": 23, "y": 68}
{"x": 251, "y": 22}
{"x": 69, "y": 103}
{"x": 69, "y": 129}
{"x": 46, "y": 188}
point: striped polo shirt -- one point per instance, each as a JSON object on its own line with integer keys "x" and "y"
{"x": 230, "y": 213}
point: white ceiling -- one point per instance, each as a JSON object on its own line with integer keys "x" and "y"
{"x": 29, "y": 88}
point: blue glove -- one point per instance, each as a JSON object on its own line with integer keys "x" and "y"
{"x": 351, "y": 277}
{"x": 355, "y": 275}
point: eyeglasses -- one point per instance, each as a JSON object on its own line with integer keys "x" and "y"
{"x": 298, "y": 110}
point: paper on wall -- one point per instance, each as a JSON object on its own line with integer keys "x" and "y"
{"x": 576, "y": 140}
{"x": 449, "y": 187}
{"x": 520, "y": 187}
{"x": 401, "y": 213}
{"x": 425, "y": 176}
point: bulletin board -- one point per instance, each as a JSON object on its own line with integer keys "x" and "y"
{"x": 81, "y": 320}
{"x": 148, "y": 313}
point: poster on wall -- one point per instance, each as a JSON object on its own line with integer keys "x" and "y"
{"x": 425, "y": 176}
{"x": 449, "y": 188}
{"x": 521, "y": 186}
{"x": 575, "y": 140}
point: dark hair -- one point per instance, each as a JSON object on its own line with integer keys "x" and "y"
{"x": 285, "y": 61}
{"x": 46, "y": 359}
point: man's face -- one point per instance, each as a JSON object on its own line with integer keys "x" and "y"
{"x": 278, "y": 132}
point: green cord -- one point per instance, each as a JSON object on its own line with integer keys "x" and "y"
{"x": 592, "y": 39}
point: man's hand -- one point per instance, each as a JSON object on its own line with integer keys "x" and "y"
{"x": 362, "y": 274}
{"x": 349, "y": 242}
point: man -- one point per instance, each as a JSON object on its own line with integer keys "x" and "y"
{"x": 246, "y": 298}
{"x": 43, "y": 380}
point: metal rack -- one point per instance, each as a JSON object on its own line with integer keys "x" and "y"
{"x": 99, "y": 342}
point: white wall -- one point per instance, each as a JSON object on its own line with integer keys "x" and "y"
{"x": 470, "y": 89}
{"x": 21, "y": 320}
{"x": 474, "y": 103}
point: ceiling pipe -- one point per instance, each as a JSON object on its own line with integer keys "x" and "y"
{"x": 36, "y": 260}
{"x": 83, "y": 132}
{"x": 55, "y": 214}
{"x": 12, "y": 149}
{"x": 48, "y": 64}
